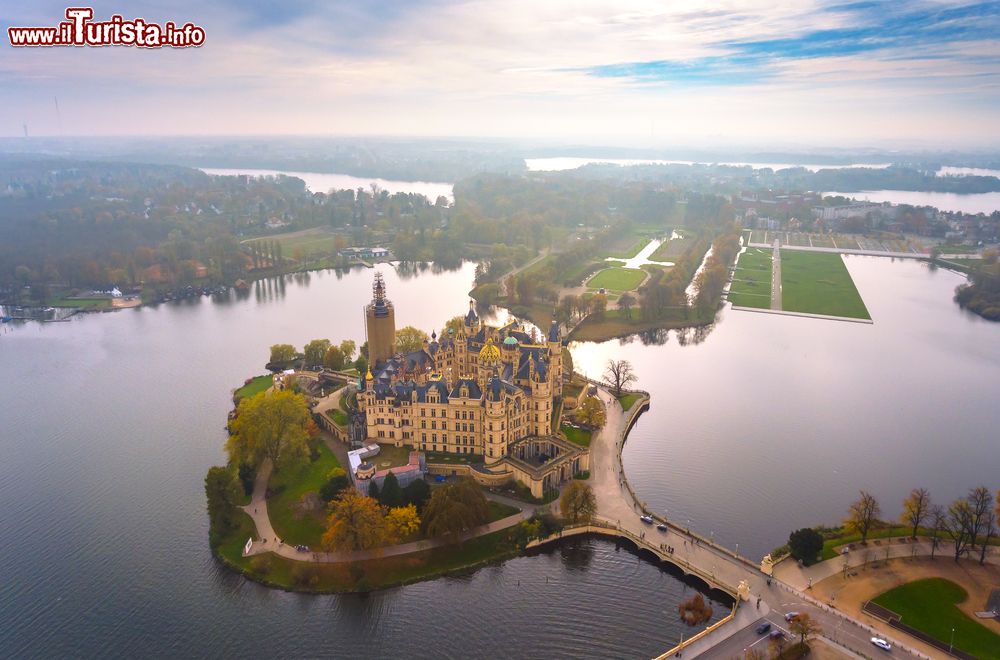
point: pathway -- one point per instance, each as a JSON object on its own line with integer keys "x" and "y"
{"x": 267, "y": 539}
{"x": 776, "y": 276}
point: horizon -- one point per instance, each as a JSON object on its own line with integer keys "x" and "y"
{"x": 816, "y": 75}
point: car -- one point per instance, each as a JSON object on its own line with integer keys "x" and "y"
{"x": 646, "y": 519}
{"x": 881, "y": 643}
{"x": 791, "y": 616}
{"x": 661, "y": 527}
{"x": 763, "y": 628}
{"x": 776, "y": 633}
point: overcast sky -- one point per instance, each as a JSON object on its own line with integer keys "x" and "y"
{"x": 753, "y": 71}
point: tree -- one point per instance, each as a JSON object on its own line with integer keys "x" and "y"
{"x": 336, "y": 482}
{"x": 455, "y": 508}
{"x": 403, "y": 523}
{"x": 282, "y": 353}
{"x": 373, "y": 490}
{"x": 223, "y": 491}
{"x": 916, "y": 509}
{"x": 334, "y": 358}
{"x": 410, "y": 339}
{"x": 862, "y": 515}
{"x": 392, "y": 494}
{"x": 348, "y": 347}
{"x": 805, "y": 627}
{"x": 620, "y": 374}
{"x": 592, "y": 413}
{"x": 938, "y": 522}
{"x": 417, "y": 493}
{"x": 625, "y": 303}
{"x": 958, "y": 526}
{"x": 356, "y": 522}
{"x": 805, "y": 544}
{"x": 578, "y": 503}
{"x": 980, "y": 505}
{"x": 456, "y": 323}
{"x": 270, "y": 425}
{"x": 989, "y": 530}
{"x": 315, "y": 351}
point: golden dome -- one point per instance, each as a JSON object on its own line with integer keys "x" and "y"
{"x": 369, "y": 375}
{"x": 490, "y": 354}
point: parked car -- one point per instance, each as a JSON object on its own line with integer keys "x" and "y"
{"x": 776, "y": 633}
{"x": 661, "y": 527}
{"x": 763, "y": 628}
{"x": 646, "y": 519}
{"x": 881, "y": 643}
{"x": 791, "y": 616}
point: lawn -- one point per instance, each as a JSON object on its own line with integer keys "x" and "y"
{"x": 308, "y": 243}
{"x": 628, "y": 400}
{"x": 81, "y": 303}
{"x": 751, "y": 285}
{"x": 295, "y": 527}
{"x": 256, "y": 385}
{"x": 617, "y": 279}
{"x": 929, "y": 605}
{"x": 818, "y": 283}
{"x": 576, "y": 435}
{"x": 455, "y": 459}
{"x": 391, "y": 456}
{"x": 671, "y": 250}
{"x": 499, "y": 510}
{"x": 338, "y": 416}
{"x": 630, "y": 251}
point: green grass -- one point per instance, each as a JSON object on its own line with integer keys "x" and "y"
{"x": 80, "y": 303}
{"x": 292, "y": 526}
{"x": 455, "y": 459}
{"x": 751, "y": 285}
{"x": 628, "y": 400}
{"x": 576, "y": 435}
{"x": 391, "y": 456}
{"x": 818, "y": 283}
{"x": 311, "y": 243}
{"x": 833, "y": 539}
{"x": 630, "y": 251}
{"x": 338, "y": 416}
{"x": 929, "y": 605}
{"x": 617, "y": 279}
{"x": 671, "y": 250}
{"x": 499, "y": 510}
{"x": 256, "y": 385}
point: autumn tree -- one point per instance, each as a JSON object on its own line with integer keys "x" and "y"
{"x": 916, "y": 509}
{"x": 591, "y": 413}
{"x": 348, "y": 347}
{"x": 282, "y": 353}
{"x": 315, "y": 351}
{"x": 958, "y": 526}
{"x": 223, "y": 491}
{"x": 456, "y": 323}
{"x": 620, "y": 374}
{"x": 410, "y": 339}
{"x": 334, "y": 358}
{"x": 578, "y": 503}
{"x": 805, "y": 627}
{"x": 805, "y": 544}
{"x": 402, "y": 523}
{"x": 625, "y": 303}
{"x": 455, "y": 508}
{"x": 938, "y": 521}
{"x": 862, "y": 515}
{"x": 356, "y": 522}
{"x": 270, "y": 425}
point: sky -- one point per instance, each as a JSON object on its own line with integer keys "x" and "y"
{"x": 900, "y": 73}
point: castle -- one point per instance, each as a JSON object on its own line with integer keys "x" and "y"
{"x": 490, "y": 393}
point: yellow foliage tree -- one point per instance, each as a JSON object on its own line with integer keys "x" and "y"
{"x": 592, "y": 413}
{"x": 356, "y": 522}
{"x": 271, "y": 425}
{"x": 403, "y": 523}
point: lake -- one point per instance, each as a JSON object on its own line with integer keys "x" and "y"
{"x": 966, "y": 203}
{"x": 571, "y": 163}
{"x": 323, "y": 182}
{"x": 769, "y": 423}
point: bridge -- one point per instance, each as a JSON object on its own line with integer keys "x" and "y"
{"x": 758, "y": 596}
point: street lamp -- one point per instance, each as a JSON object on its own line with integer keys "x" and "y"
{"x": 951, "y": 644}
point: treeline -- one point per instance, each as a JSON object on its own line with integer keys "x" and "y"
{"x": 982, "y": 294}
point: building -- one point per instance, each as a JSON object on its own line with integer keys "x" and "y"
{"x": 489, "y": 393}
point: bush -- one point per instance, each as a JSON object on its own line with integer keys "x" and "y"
{"x": 805, "y": 544}
{"x": 333, "y": 487}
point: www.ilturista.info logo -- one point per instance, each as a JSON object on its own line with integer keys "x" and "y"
{"x": 80, "y": 30}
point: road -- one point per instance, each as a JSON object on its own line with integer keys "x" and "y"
{"x": 776, "y": 276}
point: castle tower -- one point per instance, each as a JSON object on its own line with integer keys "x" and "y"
{"x": 380, "y": 324}
{"x": 555, "y": 359}
{"x": 494, "y": 434}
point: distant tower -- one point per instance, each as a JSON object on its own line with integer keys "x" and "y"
{"x": 380, "y": 324}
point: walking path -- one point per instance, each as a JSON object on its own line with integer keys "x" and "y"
{"x": 268, "y": 541}
{"x": 776, "y": 276}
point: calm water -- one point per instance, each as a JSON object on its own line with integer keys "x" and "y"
{"x": 773, "y": 423}
{"x": 323, "y": 182}
{"x": 571, "y": 163}
{"x": 109, "y": 423}
{"x": 968, "y": 203}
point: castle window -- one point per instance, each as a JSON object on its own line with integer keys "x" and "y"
{"x": 423, "y": 423}
{"x": 423, "y": 413}
{"x": 433, "y": 425}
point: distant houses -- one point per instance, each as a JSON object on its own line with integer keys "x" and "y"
{"x": 365, "y": 253}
